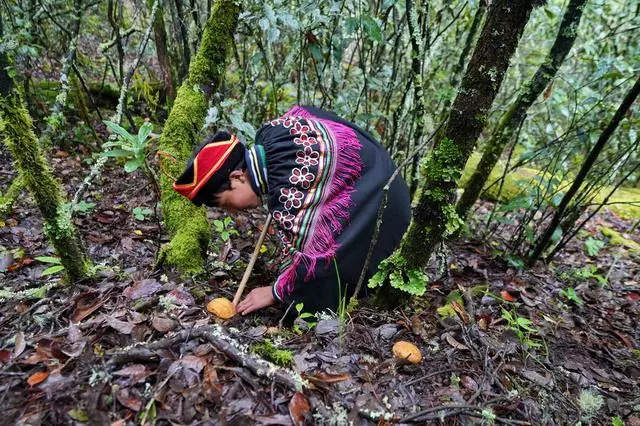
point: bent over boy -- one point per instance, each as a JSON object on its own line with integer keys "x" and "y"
{"x": 323, "y": 180}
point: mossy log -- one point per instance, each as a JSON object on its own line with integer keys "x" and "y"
{"x": 516, "y": 114}
{"x": 187, "y": 224}
{"x": 16, "y": 128}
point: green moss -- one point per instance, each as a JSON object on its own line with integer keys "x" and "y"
{"x": 269, "y": 351}
{"x": 623, "y": 195}
{"x": 511, "y": 189}
{"x": 17, "y": 129}
{"x": 441, "y": 164}
{"x": 11, "y": 195}
{"x": 186, "y": 223}
{"x": 210, "y": 63}
{"x": 616, "y": 239}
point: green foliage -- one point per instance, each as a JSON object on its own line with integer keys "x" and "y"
{"x": 522, "y": 327}
{"x": 55, "y": 268}
{"x": 304, "y": 321}
{"x": 590, "y": 403}
{"x": 412, "y": 281}
{"x": 84, "y": 207}
{"x": 141, "y": 213}
{"x": 224, "y": 228}
{"x": 583, "y": 274}
{"x": 616, "y": 421}
{"x": 592, "y": 246}
{"x": 130, "y": 147}
{"x": 268, "y": 350}
{"x": 570, "y": 294}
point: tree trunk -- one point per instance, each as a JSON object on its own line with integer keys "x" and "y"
{"x": 16, "y": 128}
{"x": 468, "y": 44}
{"x": 543, "y": 241}
{"x": 186, "y": 223}
{"x": 160, "y": 37}
{"x": 516, "y": 114}
{"x": 184, "y": 38}
{"x": 434, "y": 217}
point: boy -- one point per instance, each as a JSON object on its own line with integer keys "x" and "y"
{"x": 323, "y": 179}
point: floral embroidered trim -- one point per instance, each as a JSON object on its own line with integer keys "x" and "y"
{"x": 330, "y": 163}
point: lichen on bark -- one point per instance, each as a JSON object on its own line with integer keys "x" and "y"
{"x": 187, "y": 224}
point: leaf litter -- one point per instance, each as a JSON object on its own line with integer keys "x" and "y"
{"x": 64, "y": 358}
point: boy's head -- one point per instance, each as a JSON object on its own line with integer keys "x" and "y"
{"x": 216, "y": 175}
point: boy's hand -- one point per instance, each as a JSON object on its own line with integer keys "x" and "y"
{"x": 257, "y": 298}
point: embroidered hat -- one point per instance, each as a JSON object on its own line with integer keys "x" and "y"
{"x": 209, "y": 167}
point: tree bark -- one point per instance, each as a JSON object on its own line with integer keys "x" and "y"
{"x": 16, "y": 128}
{"x": 434, "y": 216}
{"x": 184, "y": 38}
{"x": 517, "y": 112}
{"x": 160, "y": 38}
{"x": 468, "y": 44}
{"x": 545, "y": 238}
{"x": 186, "y": 223}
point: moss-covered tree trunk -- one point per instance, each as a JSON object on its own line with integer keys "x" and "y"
{"x": 186, "y": 223}
{"x": 434, "y": 216}
{"x": 16, "y": 128}
{"x": 545, "y": 238}
{"x": 517, "y": 112}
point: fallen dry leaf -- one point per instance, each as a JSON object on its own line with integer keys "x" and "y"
{"x": 469, "y": 383}
{"x": 163, "y": 324}
{"x": 135, "y": 372}
{"x": 464, "y": 316}
{"x": 20, "y": 344}
{"x": 507, "y": 296}
{"x": 38, "y": 377}
{"x": 126, "y": 398}
{"x": 299, "y": 408}
{"x": 324, "y": 378}
{"x": 5, "y": 356}
{"x": 123, "y": 327}
{"x": 181, "y": 296}
{"x": 142, "y": 288}
{"x": 453, "y": 342}
{"x": 86, "y": 304}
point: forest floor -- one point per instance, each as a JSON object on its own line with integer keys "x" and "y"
{"x": 554, "y": 344}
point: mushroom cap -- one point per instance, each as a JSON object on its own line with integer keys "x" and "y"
{"x": 406, "y": 352}
{"x": 221, "y": 307}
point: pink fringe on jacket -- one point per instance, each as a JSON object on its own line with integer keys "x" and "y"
{"x": 334, "y": 208}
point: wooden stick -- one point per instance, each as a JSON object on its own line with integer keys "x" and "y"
{"x": 254, "y": 256}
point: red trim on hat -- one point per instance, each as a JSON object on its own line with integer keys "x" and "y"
{"x": 207, "y": 162}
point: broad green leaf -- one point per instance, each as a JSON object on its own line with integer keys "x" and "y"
{"x": 117, "y": 153}
{"x": 132, "y": 165}
{"x": 372, "y": 28}
{"x": 52, "y": 270}
{"x": 120, "y": 131}
{"x": 78, "y": 414}
{"x": 143, "y": 132}
{"x": 48, "y": 259}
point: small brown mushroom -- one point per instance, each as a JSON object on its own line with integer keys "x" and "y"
{"x": 406, "y": 352}
{"x": 221, "y": 307}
